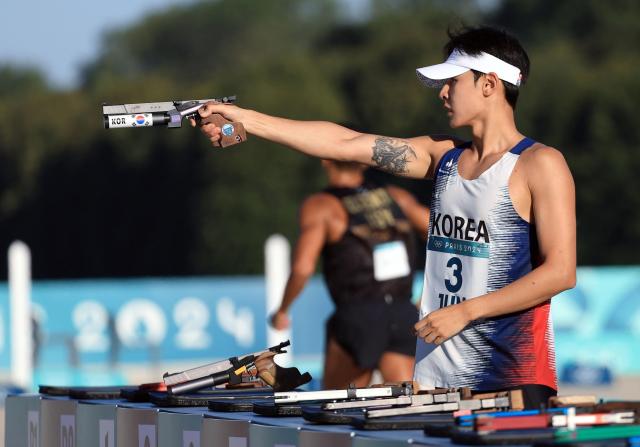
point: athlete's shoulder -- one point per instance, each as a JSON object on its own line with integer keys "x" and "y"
{"x": 435, "y": 146}
{"x": 320, "y": 200}
{"x": 541, "y": 148}
{"x": 318, "y": 210}
{"x": 542, "y": 156}
{"x": 545, "y": 165}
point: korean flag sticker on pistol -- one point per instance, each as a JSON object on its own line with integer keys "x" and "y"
{"x": 390, "y": 261}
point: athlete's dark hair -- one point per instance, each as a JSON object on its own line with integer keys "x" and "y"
{"x": 496, "y": 42}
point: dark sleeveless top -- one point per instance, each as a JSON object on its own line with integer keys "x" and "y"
{"x": 374, "y": 219}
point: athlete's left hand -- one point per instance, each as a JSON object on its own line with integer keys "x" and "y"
{"x": 442, "y": 324}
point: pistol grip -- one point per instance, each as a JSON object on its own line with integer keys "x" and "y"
{"x": 232, "y": 133}
{"x": 277, "y": 377}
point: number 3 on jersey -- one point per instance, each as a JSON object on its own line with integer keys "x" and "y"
{"x": 454, "y": 282}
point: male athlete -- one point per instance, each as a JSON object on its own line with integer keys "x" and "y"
{"x": 364, "y": 234}
{"x": 502, "y": 233}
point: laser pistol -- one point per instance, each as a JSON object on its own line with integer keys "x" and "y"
{"x": 170, "y": 114}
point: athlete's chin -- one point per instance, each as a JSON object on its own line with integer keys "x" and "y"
{"x": 454, "y": 123}
{"x": 457, "y": 122}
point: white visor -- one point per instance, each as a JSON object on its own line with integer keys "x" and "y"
{"x": 459, "y": 62}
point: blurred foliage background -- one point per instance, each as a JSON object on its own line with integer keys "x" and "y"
{"x": 96, "y": 203}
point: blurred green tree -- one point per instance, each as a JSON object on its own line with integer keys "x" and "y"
{"x": 95, "y": 203}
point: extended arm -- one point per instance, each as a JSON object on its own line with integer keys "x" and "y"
{"x": 553, "y": 204}
{"x": 412, "y": 157}
{"x": 313, "y": 235}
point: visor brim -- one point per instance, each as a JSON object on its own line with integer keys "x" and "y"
{"x": 435, "y": 76}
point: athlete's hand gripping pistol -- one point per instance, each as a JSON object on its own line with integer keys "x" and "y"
{"x": 171, "y": 114}
{"x": 231, "y": 370}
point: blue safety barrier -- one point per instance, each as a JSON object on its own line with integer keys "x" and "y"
{"x": 101, "y": 324}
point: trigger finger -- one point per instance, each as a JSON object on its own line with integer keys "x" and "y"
{"x": 205, "y": 110}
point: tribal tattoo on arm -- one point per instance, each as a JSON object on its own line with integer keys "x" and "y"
{"x": 392, "y": 155}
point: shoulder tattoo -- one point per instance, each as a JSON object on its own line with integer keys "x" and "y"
{"x": 392, "y": 155}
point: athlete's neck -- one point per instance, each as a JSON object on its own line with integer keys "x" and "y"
{"x": 495, "y": 132}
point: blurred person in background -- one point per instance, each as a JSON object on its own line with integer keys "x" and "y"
{"x": 502, "y": 234}
{"x": 365, "y": 236}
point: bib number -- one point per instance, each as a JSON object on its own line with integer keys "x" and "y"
{"x": 390, "y": 261}
{"x": 454, "y": 282}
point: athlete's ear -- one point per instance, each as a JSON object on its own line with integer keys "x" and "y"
{"x": 490, "y": 84}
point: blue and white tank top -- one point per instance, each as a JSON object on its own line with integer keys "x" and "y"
{"x": 478, "y": 244}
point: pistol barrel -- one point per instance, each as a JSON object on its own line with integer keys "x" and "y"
{"x": 136, "y": 120}
{"x": 150, "y": 114}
